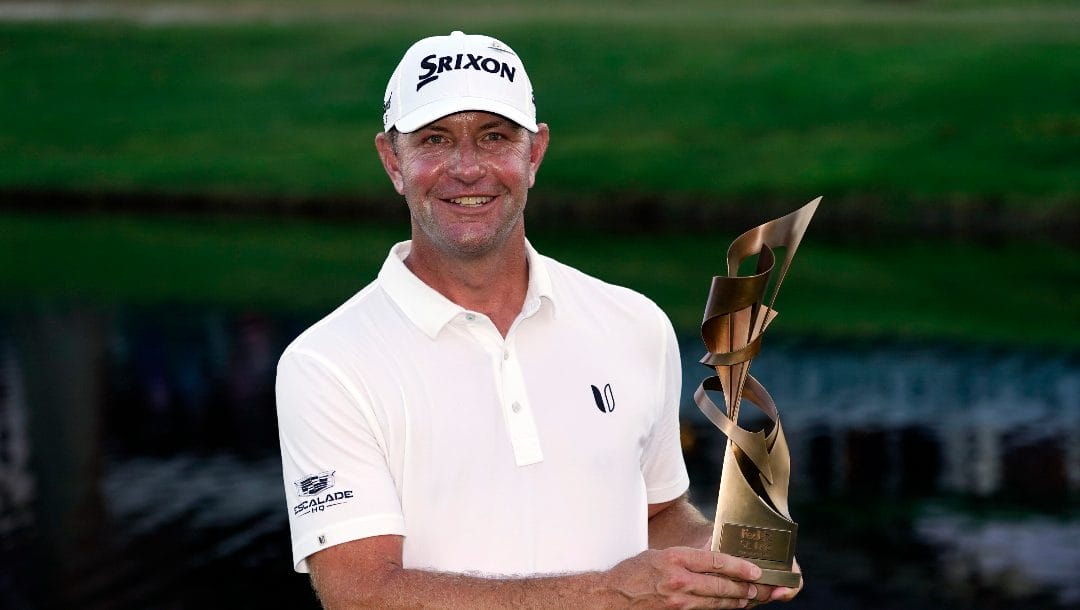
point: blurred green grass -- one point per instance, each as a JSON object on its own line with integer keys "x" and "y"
{"x": 899, "y": 110}
{"x": 893, "y": 103}
{"x": 1016, "y": 294}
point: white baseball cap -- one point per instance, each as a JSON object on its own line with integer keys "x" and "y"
{"x": 442, "y": 75}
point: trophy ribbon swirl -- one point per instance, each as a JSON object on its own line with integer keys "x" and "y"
{"x": 752, "y": 516}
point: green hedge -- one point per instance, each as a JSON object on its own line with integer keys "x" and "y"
{"x": 892, "y": 107}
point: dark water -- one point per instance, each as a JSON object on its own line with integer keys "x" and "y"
{"x": 139, "y": 466}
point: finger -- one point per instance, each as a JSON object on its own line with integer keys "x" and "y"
{"x": 787, "y": 594}
{"x": 718, "y": 587}
{"x": 719, "y": 563}
{"x": 764, "y": 592}
{"x": 721, "y": 603}
{"x": 712, "y": 602}
{"x": 783, "y": 594}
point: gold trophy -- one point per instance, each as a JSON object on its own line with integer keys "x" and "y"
{"x": 752, "y": 517}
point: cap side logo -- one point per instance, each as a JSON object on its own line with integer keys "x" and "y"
{"x": 498, "y": 46}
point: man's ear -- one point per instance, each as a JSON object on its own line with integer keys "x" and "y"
{"x": 390, "y": 161}
{"x": 537, "y": 150}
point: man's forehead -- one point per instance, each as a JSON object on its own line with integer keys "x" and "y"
{"x": 478, "y": 118}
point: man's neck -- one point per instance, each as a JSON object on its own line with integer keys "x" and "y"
{"x": 494, "y": 285}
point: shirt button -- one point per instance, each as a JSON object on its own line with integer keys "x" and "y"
{"x": 506, "y": 354}
{"x": 516, "y": 407}
{"x": 470, "y": 317}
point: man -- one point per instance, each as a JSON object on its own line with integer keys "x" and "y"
{"x": 483, "y": 427}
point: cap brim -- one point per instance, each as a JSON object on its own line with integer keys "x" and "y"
{"x": 436, "y": 110}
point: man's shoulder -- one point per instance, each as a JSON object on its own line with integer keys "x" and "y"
{"x": 346, "y": 325}
{"x": 587, "y": 290}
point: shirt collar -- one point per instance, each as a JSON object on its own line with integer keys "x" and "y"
{"x": 431, "y": 311}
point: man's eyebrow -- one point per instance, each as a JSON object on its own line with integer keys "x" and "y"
{"x": 496, "y": 123}
{"x": 434, "y": 127}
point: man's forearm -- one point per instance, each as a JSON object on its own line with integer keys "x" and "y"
{"x": 346, "y": 577}
{"x": 368, "y": 573}
{"x": 679, "y": 524}
{"x": 406, "y": 588}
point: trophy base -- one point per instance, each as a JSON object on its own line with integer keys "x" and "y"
{"x": 780, "y": 578}
{"x": 770, "y": 548}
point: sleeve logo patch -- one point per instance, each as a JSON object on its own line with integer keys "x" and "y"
{"x": 312, "y": 487}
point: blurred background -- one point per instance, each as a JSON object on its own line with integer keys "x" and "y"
{"x": 185, "y": 186}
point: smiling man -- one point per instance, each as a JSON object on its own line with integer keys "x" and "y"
{"x": 482, "y": 426}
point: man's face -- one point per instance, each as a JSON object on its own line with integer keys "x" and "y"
{"x": 465, "y": 178}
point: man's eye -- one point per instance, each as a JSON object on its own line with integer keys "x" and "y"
{"x": 494, "y": 136}
{"x": 435, "y": 139}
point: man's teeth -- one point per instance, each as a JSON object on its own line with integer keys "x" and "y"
{"x": 471, "y": 201}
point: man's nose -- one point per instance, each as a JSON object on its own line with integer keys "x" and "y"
{"x": 467, "y": 164}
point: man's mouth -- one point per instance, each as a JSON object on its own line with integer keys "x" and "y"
{"x": 471, "y": 202}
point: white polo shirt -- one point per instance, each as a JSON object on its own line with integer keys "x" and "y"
{"x": 403, "y": 413}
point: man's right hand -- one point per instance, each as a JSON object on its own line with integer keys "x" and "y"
{"x": 683, "y": 577}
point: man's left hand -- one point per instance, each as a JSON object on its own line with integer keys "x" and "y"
{"x": 778, "y": 594}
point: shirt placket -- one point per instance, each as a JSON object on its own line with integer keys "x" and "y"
{"x": 510, "y": 383}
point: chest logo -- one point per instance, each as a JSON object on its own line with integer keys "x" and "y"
{"x": 605, "y": 399}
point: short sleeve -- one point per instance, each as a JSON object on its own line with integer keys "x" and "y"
{"x": 338, "y": 483}
{"x": 662, "y": 462}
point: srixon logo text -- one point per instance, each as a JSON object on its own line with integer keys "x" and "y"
{"x": 434, "y": 65}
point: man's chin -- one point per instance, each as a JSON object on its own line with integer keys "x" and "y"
{"x": 473, "y": 245}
